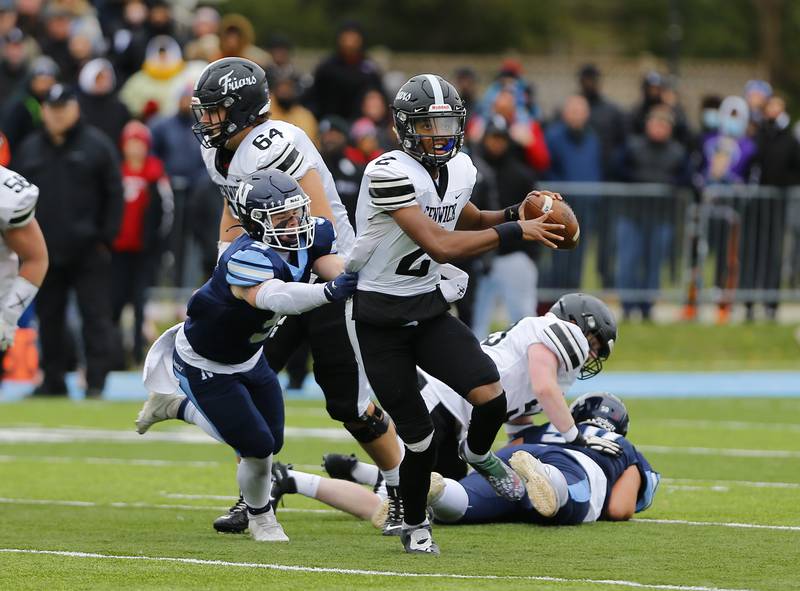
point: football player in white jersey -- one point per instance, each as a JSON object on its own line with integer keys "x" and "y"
{"x": 23, "y": 253}
{"x": 414, "y": 214}
{"x": 231, "y": 105}
{"x": 538, "y": 359}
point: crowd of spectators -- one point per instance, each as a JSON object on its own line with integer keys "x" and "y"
{"x": 95, "y": 109}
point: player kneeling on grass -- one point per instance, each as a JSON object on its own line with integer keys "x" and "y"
{"x": 565, "y": 484}
{"x": 216, "y": 355}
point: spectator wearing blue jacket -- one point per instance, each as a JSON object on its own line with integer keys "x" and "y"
{"x": 575, "y": 156}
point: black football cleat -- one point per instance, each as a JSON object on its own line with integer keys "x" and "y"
{"x": 340, "y": 466}
{"x": 282, "y": 483}
{"x": 235, "y": 521}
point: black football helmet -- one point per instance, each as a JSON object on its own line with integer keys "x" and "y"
{"x": 428, "y": 106}
{"x": 594, "y": 319}
{"x": 601, "y": 409}
{"x": 236, "y": 85}
{"x": 273, "y": 209}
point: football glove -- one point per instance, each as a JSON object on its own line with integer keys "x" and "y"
{"x": 7, "y": 332}
{"x": 606, "y": 446}
{"x": 342, "y": 287}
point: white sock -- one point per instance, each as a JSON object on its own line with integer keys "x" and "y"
{"x": 193, "y": 416}
{"x": 471, "y": 457}
{"x": 409, "y": 526}
{"x": 307, "y": 484}
{"x": 253, "y": 475}
{"x": 364, "y": 473}
{"x": 453, "y": 503}
{"x": 391, "y": 477}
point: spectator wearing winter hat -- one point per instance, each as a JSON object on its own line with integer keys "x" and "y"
{"x": 129, "y": 40}
{"x": 285, "y": 106}
{"x": 15, "y": 53}
{"x": 8, "y": 17}
{"x": 347, "y": 174}
{"x": 146, "y": 221}
{"x": 527, "y": 135}
{"x": 236, "y": 38}
{"x": 98, "y": 99}
{"x": 24, "y": 115}
{"x": 155, "y": 88}
{"x": 365, "y": 147}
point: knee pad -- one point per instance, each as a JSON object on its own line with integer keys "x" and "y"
{"x": 369, "y": 427}
{"x": 343, "y": 411}
{"x": 422, "y": 445}
{"x": 259, "y": 444}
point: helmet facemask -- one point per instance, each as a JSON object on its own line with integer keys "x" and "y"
{"x": 287, "y": 226}
{"x": 599, "y": 350}
{"x": 431, "y": 138}
{"x": 212, "y": 127}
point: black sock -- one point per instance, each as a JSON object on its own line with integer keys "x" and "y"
{"x": 415, "y": 479}
{"x": 485, "y": 423}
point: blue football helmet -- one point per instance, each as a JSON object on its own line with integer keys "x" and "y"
{"x": 273, "y": 209}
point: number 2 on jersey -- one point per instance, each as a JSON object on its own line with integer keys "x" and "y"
{"x": 405, "y": 266}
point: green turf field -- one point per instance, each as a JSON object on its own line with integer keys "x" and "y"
{"x": 135, "y": 523}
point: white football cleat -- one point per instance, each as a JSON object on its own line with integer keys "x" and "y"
{"x": 265, "y": 528}
{"x": 541, "y": 492}
{"x": 157, "y": 408}
{"x": 436, "y": 489}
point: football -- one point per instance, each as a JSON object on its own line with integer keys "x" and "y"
{"x": 537, "y": 203}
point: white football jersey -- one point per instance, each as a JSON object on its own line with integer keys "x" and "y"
{"x": 18, "y": 199}
{"x": 387, "y": 260}
{"x": 283, "y": 146}
{"x": 509, "y": 351}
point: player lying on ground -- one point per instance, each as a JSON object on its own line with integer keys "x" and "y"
{"x": 565, "y": 484}
{"x": 23, "y": 253}
{"x": 231, "y": 103}
{"x": 215, "y": 355}
{"x": 413, "y": 214}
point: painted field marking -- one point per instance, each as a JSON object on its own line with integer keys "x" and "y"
{"x": 720, "y": 524}
{"x": 355, "y": 571}
{"x": 140, "y": 505}
{"x": 734, "y": 425}
{"x": 61, "y": 435}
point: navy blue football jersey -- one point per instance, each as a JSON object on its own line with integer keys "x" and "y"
{"x": 225, "y": 329}
{"x": 612, "y": 467}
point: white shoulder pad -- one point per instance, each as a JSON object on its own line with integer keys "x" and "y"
{"x": 390, "y": 186}
{"x": 18, "y": 198}
{"x": 565, "y": 340}
{"x": 270, "y": 146}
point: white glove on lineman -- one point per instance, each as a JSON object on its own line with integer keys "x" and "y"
{"x": 16, "y": 302}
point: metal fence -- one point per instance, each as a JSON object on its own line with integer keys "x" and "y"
{"x": 648, "y": 242}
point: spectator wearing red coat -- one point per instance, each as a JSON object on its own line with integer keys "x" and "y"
{"x": 146, "y": 221}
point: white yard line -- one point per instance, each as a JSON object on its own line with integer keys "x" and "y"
{"x": 721, "y": 451}
{"x": 183, "y": 435}
{"x": 138, "y": 505}
{"x": 370, "y": 573}
{"x": 730, "y": 483}
{"x": 720, "y": 524}
{"x": 730, "y": 425}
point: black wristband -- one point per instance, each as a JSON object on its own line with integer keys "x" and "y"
{"x": 511, "y": 214}
{"x": 510, "y": 235}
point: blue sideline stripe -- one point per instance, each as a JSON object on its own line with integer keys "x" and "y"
{"x": 753, "y": 384}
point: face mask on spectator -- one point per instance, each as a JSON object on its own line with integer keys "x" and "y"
{"x": 734, "y": 116}
{"x": 711, "y": 118}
